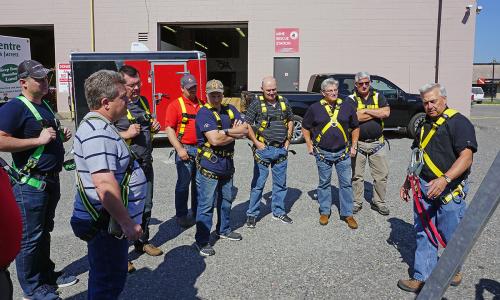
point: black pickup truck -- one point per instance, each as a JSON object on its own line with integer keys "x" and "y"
{"x": 406, "y": 109}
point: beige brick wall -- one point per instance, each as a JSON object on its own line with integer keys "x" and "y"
{"x": 392, "y": 38}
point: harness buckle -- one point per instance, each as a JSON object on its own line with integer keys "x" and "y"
{"x": 416, "y": 162}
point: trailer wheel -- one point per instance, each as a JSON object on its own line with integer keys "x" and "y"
{"x": 414, "y": 124}
{"x": 297, "y": 137}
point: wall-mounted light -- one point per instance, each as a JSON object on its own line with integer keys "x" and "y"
{"x": 240, "y": 31}
{"x": 201, "y": 45}
{"x": 479, "y": 8}
{"x": 225, "y": 44}
{"x": 169, "y": 28}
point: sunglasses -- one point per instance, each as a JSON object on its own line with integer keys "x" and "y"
{"x": 367, "y": 83}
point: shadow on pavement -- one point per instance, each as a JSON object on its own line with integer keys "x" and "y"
{"x": 402, "y": 237}
{"x": 489, "y": 285}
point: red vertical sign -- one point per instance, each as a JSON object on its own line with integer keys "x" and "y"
{"x": 286, "y": 40}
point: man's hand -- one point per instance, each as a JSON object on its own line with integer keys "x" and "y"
{"x": 67, "y": 134}
{"x": 133, "y": 131}
{"x": 182, "y": 153}
{"x": 259, "y": 145}
{"x": 132, "y": 231}
{"x": 436, "y": 187}
{"x": 404, "y": 191}
{"x": 353, "y": 151}
{"x": 239, "y": 129}
{"x": 46, "y": 136}
{"x": 310, "y": 149}
{"x": 155, "y": 126}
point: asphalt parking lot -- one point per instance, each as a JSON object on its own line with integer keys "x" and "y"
{"x": 299, "y": 261}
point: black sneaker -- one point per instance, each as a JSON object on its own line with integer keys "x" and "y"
{"x": 382, "y": 209}
{"x": 232, "y": 236}
{"x": 356, "y": 209}
{"x": 251, "y": 222}
{"x": 206, "y": 250}
{"x": 283, "y": 218}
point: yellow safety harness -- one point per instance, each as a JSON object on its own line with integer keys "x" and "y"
{"x": 185, "y": 117}
{"x": 147, "y": 116}
{"x": 334, "y": 123}
{"x": 265, "y": 120}
{"x": 447, "y": 114}
{"x": 206, "y": 149}
{"x": 362, "y": 105}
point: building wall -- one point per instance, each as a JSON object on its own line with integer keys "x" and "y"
{"x": 392, "y": 38}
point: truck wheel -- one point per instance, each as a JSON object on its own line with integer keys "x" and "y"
{"x": 297, "y": 137}
{"x": 414, "y": 123}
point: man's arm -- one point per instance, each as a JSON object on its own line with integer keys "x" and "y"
{"x": 109, "y": 193}
{"x": 307, "y": 137}
{"x": 12, "y": 144}
{"x": 354, "y": 140}
{"x": 219, "y": 138}
{"x": 289, "y": 134}
{"x": 369, "y": 114}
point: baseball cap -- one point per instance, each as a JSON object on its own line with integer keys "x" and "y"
{"x": 188, "y": 81}
{"x": 215, "y": 85}
{"x": 33, "y": 69}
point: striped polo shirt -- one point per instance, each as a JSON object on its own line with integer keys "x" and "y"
{"x": 97, "y": 146}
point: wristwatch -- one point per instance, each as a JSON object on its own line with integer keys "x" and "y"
{"x": 448, "y": 179}
{"x": 226, "y": 132}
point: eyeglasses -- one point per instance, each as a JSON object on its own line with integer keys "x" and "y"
{"x": 367, "y": 83}
{"x": 330, "y": 91}
{"x": 133, "y": 85}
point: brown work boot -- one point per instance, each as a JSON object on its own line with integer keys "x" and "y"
{"x": 149, "y": 249}
{"x": 130, "y": 267}
{"x": 457, "y": 279}
{"x": 350, "y": 222}
{"x": 410, "y": 285}
{"x": 323, "y": 219}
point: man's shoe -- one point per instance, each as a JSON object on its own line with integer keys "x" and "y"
{"x": 206, "y": 250}
{"x": 131, "y": 267}
{"x": 410, "y": 285}
{"x": 283, "y": 218}
{"x": 251, "y": 222}
{"x": 232, "y": 236}
{"x": 457, "y": 279}
{"x": 185, "y": 221}
{"x": 356, "y": 209}
{"x": 46, "y": 292}
{"x": 64, "y": 280}
{"x": 350, "y": 222}
{"x": 323, "y": 219}
{"x": 382, "y": 209}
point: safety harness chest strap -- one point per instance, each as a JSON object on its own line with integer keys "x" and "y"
{"x": 265, "y": 120}
{"x": 206, "y": 150}
{"x": 334, "y": 123}
{"x": 185, "y": 117}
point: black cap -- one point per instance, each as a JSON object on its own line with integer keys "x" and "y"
{"x": 33, "y": 69}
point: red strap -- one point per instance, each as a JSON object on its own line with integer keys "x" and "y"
{"x": 433, "y": 233}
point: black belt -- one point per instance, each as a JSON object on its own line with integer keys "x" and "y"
{"x": 39, "y": 174}
{"x": 371, "y": 140}
{"x": 275, "y": 144}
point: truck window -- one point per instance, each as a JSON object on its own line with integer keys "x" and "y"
{"x": 389, "y": 90}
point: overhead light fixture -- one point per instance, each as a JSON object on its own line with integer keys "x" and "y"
{"x": 225, "y": 44}
{"x": 240, "y": 31}
{"x": 201, "y": 45}
{"x": 169, "y": 28}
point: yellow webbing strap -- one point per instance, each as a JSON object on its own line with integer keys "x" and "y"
{"x": 375, "y": 105}
{"x": 333, "y": 120}
{"x": 206, "y": 146}
{"x": 264, "y": 122}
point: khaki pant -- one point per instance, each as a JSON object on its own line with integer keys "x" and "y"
{"x": 379, "y": 171}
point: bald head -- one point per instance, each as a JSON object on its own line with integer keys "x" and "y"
{"x": 269, "y": 88}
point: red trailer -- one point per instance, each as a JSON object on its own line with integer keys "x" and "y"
{"x": 160, "y": 73}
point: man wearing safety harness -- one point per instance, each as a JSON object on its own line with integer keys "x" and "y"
{"x": 29, "y": 129}
{"x": 181, "y": 132}
{"x": 329, "y": 122}
{"x": 217, "y": 127}
{"x": 437, "y": 179}
{"x": 372, "y": 108}
{"x": 137, "y": 128}
{"x": 272, "y": 115}
{"x": 111, "y": 186}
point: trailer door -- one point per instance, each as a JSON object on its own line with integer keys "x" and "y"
{"x": 166, "y": 86}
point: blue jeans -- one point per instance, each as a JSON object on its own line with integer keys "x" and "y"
{"x": 344, "y": 173}
{"x": 446, "y": 218}
{"x": 148, "y": 203}
{"x": 211, "y": 193}
{"x": 33, "y": 263}
{"x": 260, "y": 172}
{"x": 107, "y": 257}
{"x": 186, "y": 174}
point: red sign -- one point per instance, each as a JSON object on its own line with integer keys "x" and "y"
{"x": 481, "y": 81}
{"x": 286, "y": 40}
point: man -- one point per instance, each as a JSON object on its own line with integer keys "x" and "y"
{"x": 329, "y": 122}
{"x": 181, "y": 132}
{"x": 443, "y": 151}
{"x": 217, "y": 127}
{"x": 111, "y": 186}
{"x": 272, "y": 115}
{"x": 372, "y": 108}
{"x": 29, "y": 129}
{"x": 137, "y": 128}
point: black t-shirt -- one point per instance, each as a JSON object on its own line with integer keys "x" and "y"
{"x": 17, "y": 120}
{"x": 317, "y": 117}
{"x": 371, "y": 129}
{"x": 141, "y": 144}
{"x": 451, "y": 138}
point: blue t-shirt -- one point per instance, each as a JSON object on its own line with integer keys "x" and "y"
{"x": 17, "y": 120}
{"x": 206, "y": 121}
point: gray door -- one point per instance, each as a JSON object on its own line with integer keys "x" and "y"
{"x": 286, "y": 72}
